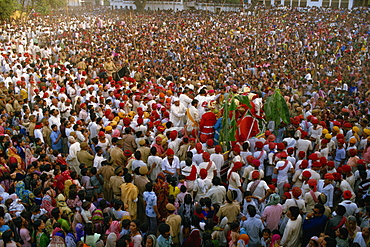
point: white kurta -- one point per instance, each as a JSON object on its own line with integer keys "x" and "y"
{"x": 72, "y": 157}
{"x": 291, "y": 234}
{"x": 177, "y": 115}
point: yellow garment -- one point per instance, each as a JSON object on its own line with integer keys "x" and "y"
{"x": 174, "y": 190}
{"x": 61, "y": 203}
{"x": 129, "y": 196}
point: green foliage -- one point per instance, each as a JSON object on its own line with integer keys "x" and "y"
{"x": 46, "y": 6}
{"x": 229, "y": 125}
{"x": 7, "y": 8}
{"x": 276, "y": 109}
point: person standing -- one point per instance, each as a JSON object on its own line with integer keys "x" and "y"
{"x": 56, "y": 139}
{"x": 253, "y": 225}
{"x": 174, "y": 221}
{"x": 129, "y": 195}
{"x": 84, "y": 156}
{"x": 314, "y": 224}
{"x": 116, "y": 181}
{"x": 107, "y": 171}
{"x": 272, "y": 212}
{"x": 291, "y": 236}
{"x": 117, "y": 154}
{"x": 282, "y": 168}
{"x": 193, "y": 117}
{"x": 177, "y": 113}
{"x": 72, "y": 156}
{"x": 151, "y": 209}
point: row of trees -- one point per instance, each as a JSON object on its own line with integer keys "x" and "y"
{"x": 23, "y": 8}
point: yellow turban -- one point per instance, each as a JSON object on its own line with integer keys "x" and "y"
{"x": 328, "y": 136}
{"x": 336, "y": 129}
{"x": 325, "y": 131}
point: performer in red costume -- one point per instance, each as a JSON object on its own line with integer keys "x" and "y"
{"x": 207, "y": 122}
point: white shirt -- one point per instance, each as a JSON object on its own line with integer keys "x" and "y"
{"x": 218, "y": 159}
{"x": 210, "y": 171}
{"x": 166, "y": 166}
{"x": 260, "y": 190}
{"x": 282, "y": 175}
{"x": 291, "y": 234}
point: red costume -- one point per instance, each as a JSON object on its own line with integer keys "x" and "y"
{"x": 207, "y": 123}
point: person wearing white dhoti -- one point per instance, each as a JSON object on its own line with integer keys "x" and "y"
{"x": 72, "y": 156}
{"x": 192, "y": 116}
{"x": 291, "y": 236}
{"x": 177, "y": 113}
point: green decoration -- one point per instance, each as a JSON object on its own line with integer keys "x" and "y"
{"x": 229, "y": 125}
{"x": 276, "y": 109}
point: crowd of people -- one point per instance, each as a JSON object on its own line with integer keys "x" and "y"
{"x": 110, "y": 127}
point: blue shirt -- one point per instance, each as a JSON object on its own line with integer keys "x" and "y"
{"x": 254, "y": 227}
{"x": 340, "y": 154}
{"x": 151, "y": 200}
{"x": 4, "y": 228}
{"x": 54, "y": 136}
{"x": 162, "y": 242}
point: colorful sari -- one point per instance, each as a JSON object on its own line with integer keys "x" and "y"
{"x": 161, "y": 189}
{"x": 26, "y": 196}
{"x": 12, "y": 152}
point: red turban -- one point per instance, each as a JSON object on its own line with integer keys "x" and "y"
{"x": 329, "y": 176}
{"x": 347, "y": 195}
{"x": 312, "y": 183}
{"x": 210, "y": 142}
{"x": 296, "y": 191}
{"x": 238, "y": 165}
{"x": 280, "y": 146}
{"x": 170, "y": 152}
{"x": 203, "y": 173}
{"x": 313, "y": 156}
{"x": 236, "y": 149}
{"x": 287, "y": 185}
{"x": 206, "y": 156}
{"x": 218, "y": 149}
{"x": 316, "y": 164}
{"x": 199, "y": 147}
{"x": 301, "y": 154}
{"x": 173, "y": 135}
{"x": 287, "y": 195}
{"x": 203, "y": 138}
{"x": 304, "y": 164}
{"x": 323, "y": 161}
{"x": 250, "y": 159}
{"x": 259, "y": 144}
{"x": 306, "y": 174}
{"x": 255, "y": 175}
{"x": 256, "y": 163}
{"x": 272, "y": 145}
{"x": 346, "y": 168}
{"x": 330, "y": 163}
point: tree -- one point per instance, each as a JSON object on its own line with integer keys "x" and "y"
{"x": 140, "y": 5}
{"x": 7, "y": 8}
{"x": 45, "y": 6}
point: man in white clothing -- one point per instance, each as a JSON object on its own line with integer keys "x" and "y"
{"x": 282, "y": 168}
{"x": 193, "y": 118}
{"x": 72, "y": 156}
{"x": 209, "y": 165}
{"x": 291, "y": 236}
{"x": 177, "y": 113}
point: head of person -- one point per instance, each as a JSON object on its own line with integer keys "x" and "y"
{"x": 293, "y": 213}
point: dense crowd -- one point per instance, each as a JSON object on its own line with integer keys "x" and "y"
{"x": 110, "y": 127}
